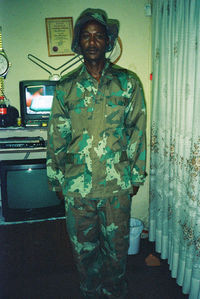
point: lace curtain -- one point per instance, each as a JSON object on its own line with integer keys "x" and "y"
{"x": 175, "y": 140}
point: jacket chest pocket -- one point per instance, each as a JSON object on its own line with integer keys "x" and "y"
{"x": 115, "y": 113}
{"x": 79, "y": 112}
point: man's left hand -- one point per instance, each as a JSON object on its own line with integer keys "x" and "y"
{"x": 135, "y": 190}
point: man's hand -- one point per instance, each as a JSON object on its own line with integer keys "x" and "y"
{"x": 135, "y": 190}
{"x": 60, "y": 195}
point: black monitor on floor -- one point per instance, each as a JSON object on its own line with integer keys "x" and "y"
{"x": 24, "y": 191}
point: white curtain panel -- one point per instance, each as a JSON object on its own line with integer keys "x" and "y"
{"x": 175, "y": 140}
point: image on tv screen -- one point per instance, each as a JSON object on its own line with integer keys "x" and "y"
{"x": 39, "y": 99}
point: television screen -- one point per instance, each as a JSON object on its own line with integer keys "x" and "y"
{"x": 24, "y": 191}
{"x": 36, "y": 97}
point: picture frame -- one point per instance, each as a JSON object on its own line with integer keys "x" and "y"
{"x": 59, "y": 32}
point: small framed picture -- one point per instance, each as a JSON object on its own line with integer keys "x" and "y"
{"x": 59, "y": 36}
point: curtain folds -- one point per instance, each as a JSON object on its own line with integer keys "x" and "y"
{"x": 175, "y": 140}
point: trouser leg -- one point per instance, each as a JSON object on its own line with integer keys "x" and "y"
{"x": 99, "y": 232}
{"x": 114, "y": 215}
{"x": 82, "y": 227}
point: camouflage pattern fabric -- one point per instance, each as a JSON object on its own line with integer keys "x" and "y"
{"x": 99, "y": 233}
{"x": 96, "y": 134}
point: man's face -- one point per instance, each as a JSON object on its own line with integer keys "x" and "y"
{"x": 93, "y": 41}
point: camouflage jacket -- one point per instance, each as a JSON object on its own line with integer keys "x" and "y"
{"x": 96, "y": 134}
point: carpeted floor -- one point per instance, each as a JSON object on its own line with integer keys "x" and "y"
{"x": 36, "y": 263}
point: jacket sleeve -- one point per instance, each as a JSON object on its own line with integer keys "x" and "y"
{"x": 58, "y": 138}
{"x": 135, "y": 122}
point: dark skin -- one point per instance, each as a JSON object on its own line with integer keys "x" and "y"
{"x": 93, "y": 43}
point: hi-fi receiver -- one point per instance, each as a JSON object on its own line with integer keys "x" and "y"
{"x": 22, "y": 142}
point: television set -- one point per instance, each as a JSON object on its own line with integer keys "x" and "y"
{"x": 36, "y": 98}
{"x": 24, "y": 191}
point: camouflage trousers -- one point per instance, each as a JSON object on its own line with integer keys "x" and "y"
{"x": 99, "y": 232}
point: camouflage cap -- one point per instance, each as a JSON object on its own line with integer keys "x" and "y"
{"x": 111, "y": 25}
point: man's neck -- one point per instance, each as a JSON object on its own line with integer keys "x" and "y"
{"x": 95, "y": 68}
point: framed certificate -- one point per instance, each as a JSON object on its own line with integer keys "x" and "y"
{"x": 59, "y": 36}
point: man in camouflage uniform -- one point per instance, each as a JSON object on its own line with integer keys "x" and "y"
{"x": 96, "y": 155}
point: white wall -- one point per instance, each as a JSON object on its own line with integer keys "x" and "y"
{"x": 24, "y": 32}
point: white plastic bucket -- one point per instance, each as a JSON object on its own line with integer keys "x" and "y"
{"x": 136, "y": 227}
